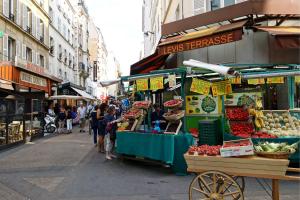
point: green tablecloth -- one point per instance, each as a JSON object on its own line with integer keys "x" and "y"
{"x": 161, "y": 147}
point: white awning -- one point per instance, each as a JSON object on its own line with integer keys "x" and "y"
{"x": 83, "y": 94}
{"x": 65, "y": 97}
{"x": 6, "y": 85}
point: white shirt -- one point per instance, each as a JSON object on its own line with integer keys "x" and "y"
{"x": 51, "y": 112}
{"x": 82, "y": 112}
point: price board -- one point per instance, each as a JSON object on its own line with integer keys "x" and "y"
{"x": 157, "y": 83}
{"x": 275, "y": 80}
{"x": 297, "y": 79}
{"x": 200, "y": 86}
{"x": 236, "y": 80}
{"x": 256, "y": 81}
{"x": 142, "y": 84}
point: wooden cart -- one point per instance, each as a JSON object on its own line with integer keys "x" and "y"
{"x": 222, "y": 178}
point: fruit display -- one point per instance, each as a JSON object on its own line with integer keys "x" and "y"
{"x": 240, "y": 147}
{"x": 174, "y": 115}
{"x": 141, "y": 104}
{"x": 261, "y": 134}
{"x": 133, "y": 114}
{"x": 236, "y": 113}
{"x": 173, "y": 103}
{"x": 205, "y": 150}
{"x": 296, "y": 122}
{"x": 236, "y": 143}
{"x": 276, "y": 121}
{"x": 242, "y": 129}
{"x": 271, "y": 147}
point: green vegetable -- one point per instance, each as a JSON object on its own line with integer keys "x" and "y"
{"x": 276, "y": 147}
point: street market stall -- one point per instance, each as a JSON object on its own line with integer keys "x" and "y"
{"x": 138, "y": 137}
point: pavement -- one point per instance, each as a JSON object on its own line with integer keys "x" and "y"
{"x": 68, "y": 167}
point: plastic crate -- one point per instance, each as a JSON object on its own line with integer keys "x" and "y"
{"x": 209, "y": 132}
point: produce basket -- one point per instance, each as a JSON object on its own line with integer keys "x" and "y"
{"x": 277, "y": 155}
{"x": 142, "y": 104}
{"x": 133, "y": 114}
{"x": 174, "y": 103}
{"x": 174, "y": 115}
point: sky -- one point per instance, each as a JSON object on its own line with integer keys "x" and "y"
{"x": 120, "y": 22}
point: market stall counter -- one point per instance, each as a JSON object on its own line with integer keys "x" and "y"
{"x": 166, "y": 148}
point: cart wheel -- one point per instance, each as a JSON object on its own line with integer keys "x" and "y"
{"x": 215, "y": 185}
{"x": 241, "y": 181}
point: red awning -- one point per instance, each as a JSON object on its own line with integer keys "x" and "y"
{"x": 150, "y": 63}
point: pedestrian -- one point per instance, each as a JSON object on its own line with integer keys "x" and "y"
{"x": 69, "y": 119}
{"x": 101, "y": 126}
{"x": 95, "y": 116}
{"x": 51, "y": 110}
{"x": 82, "y": 114}
{"x": 61, "y": 119}
{"x": 110, "y": 129}
{"x": 74, "y": 115}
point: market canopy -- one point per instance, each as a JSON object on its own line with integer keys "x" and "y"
{"x": 83, "y": 94}
{"x": 285, "y": 36}
{"x": 219, "y": 34}
{"x": 148, "y": 64}
{"x": 57, "y": 97}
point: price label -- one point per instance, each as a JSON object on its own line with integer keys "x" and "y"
{"x": 221, "y": 88}
{"x": 142, "y": 84}
{"x": 236, "y": 80}
{"x": 200, "y": 86}
{"x": 256, "y": 81}
{"x": 172, "y": 80}
{"x": 297, "y": 79}
{"x": 275, "y": 80}
{"x": 156, "y": 83}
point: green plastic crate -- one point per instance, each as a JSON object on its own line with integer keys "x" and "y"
{"x": 209, "y": 132}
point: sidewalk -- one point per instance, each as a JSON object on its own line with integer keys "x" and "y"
{"x": 68, "y": 167}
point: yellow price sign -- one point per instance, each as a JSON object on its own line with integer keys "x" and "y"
{"x": 236, "y": 80}
{"x": 157, "y": 83}
{"x": 297, "y": 79}
{"x": 256, "y": 81}
{"x": 142, "y": 84}
{"x": 228, "y": 88}
{"x": 221, "y": 88}
{"x": 275, "y": 80}
{"x": 200, "y": 86}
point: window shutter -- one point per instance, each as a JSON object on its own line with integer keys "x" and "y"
{"x": 5, "y": 4}
{"x": 33, "y": 25}
{"x": 18, "y": 46}
{"x": 37, "y": 58}
{"x": 33, "y": 57}
{"x": 23, "y": 51}
{"x": 37, "y": 27}
{"x": 5, "y": 47}
{"x": 12, "y": 9}
{"x": 24, "y": 23}
{"x": 199, "y": 6}
{"x": 18, "y": 12}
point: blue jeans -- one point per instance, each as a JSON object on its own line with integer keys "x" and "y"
{"x": 95, "y": 131}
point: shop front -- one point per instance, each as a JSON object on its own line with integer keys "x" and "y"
{"x": 23, "y": 92}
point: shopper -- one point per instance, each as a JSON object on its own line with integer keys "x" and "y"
{"x": 95, "y": 115}
{"x": 110, "y": 129}
{"x": 101, "y": 126}
{"x": 69, "y": 119}
{"x": 51, "y": 110}
{"x": 82, "y": 114}
{"x": 61, "y": 119}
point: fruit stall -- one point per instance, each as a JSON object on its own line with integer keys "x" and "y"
{"x": 139, "y": 138}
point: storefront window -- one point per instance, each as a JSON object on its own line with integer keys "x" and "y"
{"x": 36, "y": 105}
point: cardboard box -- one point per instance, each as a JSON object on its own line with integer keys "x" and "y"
{"x": 237, "y": 150}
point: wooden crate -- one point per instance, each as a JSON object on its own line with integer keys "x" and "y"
{"x": 242, "y": 165}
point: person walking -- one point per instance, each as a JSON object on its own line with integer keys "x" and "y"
{"x": 69, "y": 119}
{"x": 95, "y": 115}
{"x": 101, "y": 126}
{"x": 61, "y": 119}
{"x": 82, "y": 114}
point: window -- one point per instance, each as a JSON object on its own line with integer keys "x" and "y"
{"x": 41, "y": 31}
{"x": 58, "y": 24}
{"x": 66, "y": 56}
{"x": 42, "y": 61}
{"x": 69, "y": 39}
{"x": 51, "y": 45}
{"x": 228, "y": 2}
{"x": 59, "y": 52}
{"x": 29, "y": 20}
{"x": 11, "y": 10}
{"x": 60, "y": 73}
{"x": 177, "y": 13}
{"x": 29, "y": 54}
{"x": 199, "y": 6}
{"x": 51, "y": 13}
{"x": 70, "y": 59}
{"x": 215, "y": 4}
{"x": 11, "y": 49}
{"x": 64, "y": 30}
{"x": 66, "y": 76}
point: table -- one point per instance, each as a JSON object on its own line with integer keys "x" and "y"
{"x": 166, "y": 148}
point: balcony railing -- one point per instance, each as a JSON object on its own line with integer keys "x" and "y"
{"x": 12, "y": 17}
{"x": 28, "y": 29}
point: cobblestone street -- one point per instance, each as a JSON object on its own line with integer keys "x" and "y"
{"x": 68, "y": 167}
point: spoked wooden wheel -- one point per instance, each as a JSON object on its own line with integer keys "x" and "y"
{"x": 215, "y": 185}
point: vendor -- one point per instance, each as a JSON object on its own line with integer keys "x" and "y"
{"x": 158, "y": 115}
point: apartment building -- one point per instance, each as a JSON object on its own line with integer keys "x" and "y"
{"x": 62, "y": 41}
{"x": 25, "y": 27}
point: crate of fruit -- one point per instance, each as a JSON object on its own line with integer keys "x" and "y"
{"x": 233, "y": 148}
{"x": 174, "y": 103}
{"x": 243, "y": 129}
{"x": 277, "y": 120}
{"x": 142, "y": 104}
{"x": 133, "y": 114}
{"x": 174, "y": 115}
{"x": 237, "y": 113}
{"x": 295, "y": 117}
